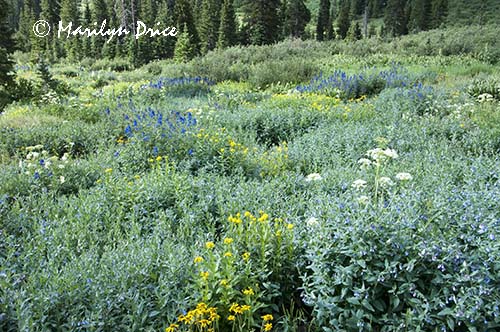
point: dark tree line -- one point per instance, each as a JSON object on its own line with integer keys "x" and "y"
{"x": 204, "y": 25}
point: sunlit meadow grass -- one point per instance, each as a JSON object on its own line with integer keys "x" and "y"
{"x": 365, "y": 199}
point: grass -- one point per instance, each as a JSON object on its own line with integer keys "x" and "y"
{"x": 154, "y": 199}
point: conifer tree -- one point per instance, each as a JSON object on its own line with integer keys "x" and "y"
{"x": 184, "y": 16}
{"x": 439, "y": 12}
{"x": 164, "y": 46}
{"x": 26, "y": 21}
{"x": 99, "y": 14}
{"x": 69, "y": 13}
{"x": 354, "y": 32}
{"x": 323, "y": 19}
{"x": 395, "y": 18}
{"x": 343, "y": 20}
{"x": 330, "y": 33}
{"x": 87, "y": 21}
{"x": 296, "y": 18}
{"x": 7, "y": 46}
{"x": 184, "y": 50}
{"x": 227, "y": 30}
{"x": 419, "y": 15}
{"x": 262, "y": 21}
{"x": 145, "y": 43}
{"x": 209, "y": 24}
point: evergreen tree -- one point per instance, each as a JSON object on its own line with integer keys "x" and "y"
{"x": 49, "y": 11}
{"x": 439, "y": 12}
{"x": 185, "y": 17}
{"x": 99, "y": 14}
{"x": 354, "y": 32}
{"x": 145, "y": 43}
{"x": 297, "y": 15}
{"x": 26, "y": 21}
{"x": 209, "y": 24}
{"x": 419, "y": 14}
{"x": 87, "y": 21}
{"x": 395, "y": 18}
{"x": 262, "y": 21}
{"x": 330, "y": 33}
{"x": 323, "y": 19}
{"x": 69, "y": 13}
{"x": 184, "y": 49}
{"x": 343, "y": 20}
{"x": 6, "y": 64}
{"x": 227, "y": 29}
{"x": 164, "y": 46}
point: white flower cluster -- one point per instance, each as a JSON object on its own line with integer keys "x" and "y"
{"x": 38, "y": 160}
{"x": 377, "y": 157}
{"x": 485, "y": 97}
{"x": 313, "y": 177}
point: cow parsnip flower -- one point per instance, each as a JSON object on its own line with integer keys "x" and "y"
{"x": 403, "y": 176}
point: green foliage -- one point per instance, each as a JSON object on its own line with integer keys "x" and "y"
{"x": 323, "y": 19}
{"x": 261, "y": 21}
{"x": 123, "y": 206}
{"x": 184, "y": 49}
{"x": 227, "y": 30}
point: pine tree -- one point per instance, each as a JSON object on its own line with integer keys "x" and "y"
{"x": 209, "y": 24}
{"x": 49, "y": 11}
{"x": 439, "y": 12}
{"x": 26, "y": 21}
{"x": 343, "y": 20}
{"x": 164, "y": 46}
{"x": 87, "y": 21}
{"x": 395, "y": 18}
{"x": 7, "y": 46}
{"x": 99, "y": 14}
{"x": 69, "y": 14}
{"x": 262, "y": 21}
{"x": 227, "y": 29}
{"x": 185, "y": 17}
{"x": 296, "y": 18}
{"x": 323, "y": 19}
{"x": 184, "y": 49}
{"x": 330, "y": 32}
{"x": 145, "y": 43}
{"x": 419, "y": 15}
{"x": 354, "y": 32}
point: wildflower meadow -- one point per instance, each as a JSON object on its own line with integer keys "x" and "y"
{"x": 311, "y": 187}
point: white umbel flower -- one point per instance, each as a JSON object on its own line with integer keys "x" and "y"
{"x": 313, "y": 177}
{"x": 404, "y": 176}
{"x": 359, "y": 184}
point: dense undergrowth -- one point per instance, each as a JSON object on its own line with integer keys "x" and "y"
{"x": 354, "y": 189}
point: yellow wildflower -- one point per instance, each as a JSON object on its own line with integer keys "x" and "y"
{"x": 108, "y": 170}
{"x": 268, "y": 327}
{"x": 264, "y": 217}
{"x": 198, "y": 259}
{"x": 224, "y": 282}
{"x": 246, "y": 256}
{"x": 267, "y": 317}
{"x": 289, "y": 226}
{"x": 203, "y": 322}
{"x": 245, "y": 307}
{"x": 171, "y": 328}
{"x": 159, "y": 158}
{"x": 248, "y": 291}
{"x": 204, "y": 275}
{"x": 228, "y": 254}
{"x": 231, "y": 317}
{"x": 209, "y": 245}
{"x": 228, "y": 240}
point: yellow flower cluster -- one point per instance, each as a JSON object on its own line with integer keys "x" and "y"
{"x": 202, "y": 317}
{"x": 248, "y": 292}
{"x": 238, "y": 309}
